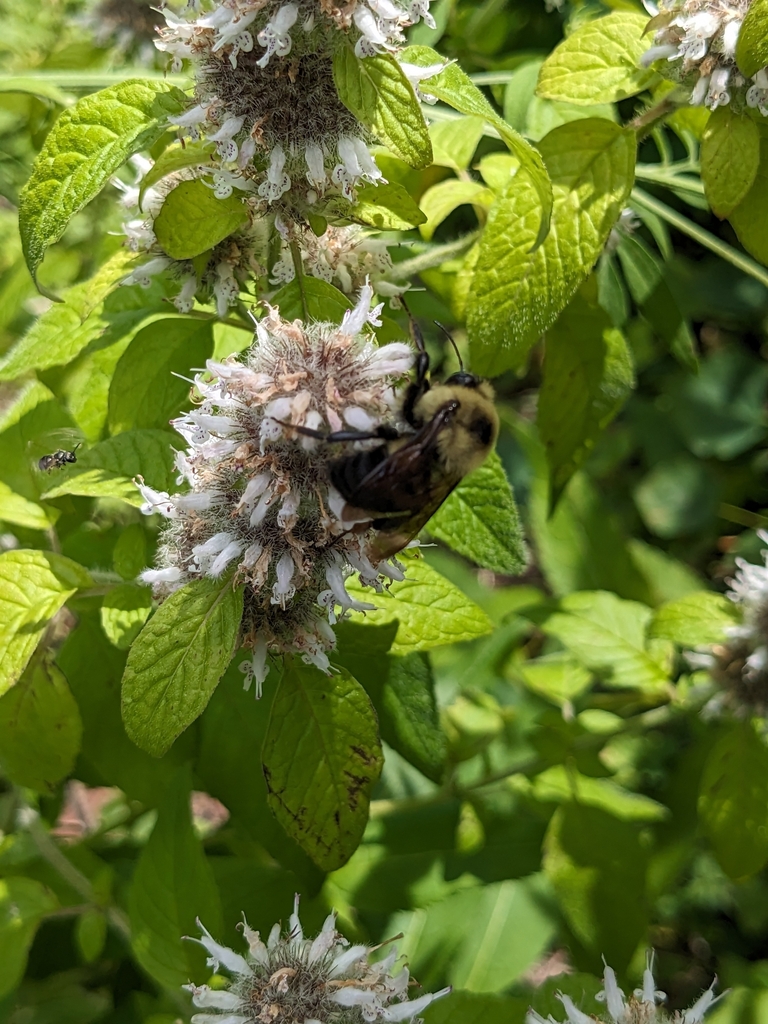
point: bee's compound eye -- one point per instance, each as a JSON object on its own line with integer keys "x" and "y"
{"x": 481, "y": 427}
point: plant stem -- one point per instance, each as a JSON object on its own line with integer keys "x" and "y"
{"x": 434, "y": 256}
{"x": 698, "y": 234}
{"x": 71, "y": 875}
{"x": 85, "y": 80}
{"x": 672, "y": 179}
{"x": 298, "y": 266}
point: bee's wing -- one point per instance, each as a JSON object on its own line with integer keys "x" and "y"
{"x": 45, "y": 444}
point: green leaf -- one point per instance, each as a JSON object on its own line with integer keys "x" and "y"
{"x": 597, "y": 866}
{"x": 177, "y": 661}
{"x": 561, "y": 784}
{"x": 752, "y": 44}
{"x": 479, "y": 520}
{"x": 129, "y": 555}
{"x": 40, "y": 728}
{"x": 454, "y": 142}
{"x": 443, "y": 198}
{"x": 607, "y": 635}
{"x": 696, "y": 619}
{"x": 555, "y": 677}
{"x": 321, "y": 758}
{"x": 32, "y": 415}
{"x": 172, "y": 886}
{"x": 377, "y": 92}
{"x": 108, "y": 468}
{"x": 402, "y": 691}
{"x": 730, "y": 155}
{"x": 750, "y": 218}
{"x": 386, "y": 206}
{"x": 176, "y": 158}
{"x": 123, "y": 612}
{"x": 428, "y": 609}
{"x": 588, "y": 374}
{"x": 192, "y": 220}
{"x": 677, "y": 497}
{"x": 534, "y": 116}
{"x": 599, "y": 62}
{"x": 144, "y": 391}
{"x": 733, "y": 801}
{"x": 477, "y": 1008}
{"x": 454, "y": 87}
{"x": 517, "y": 293}
{"x": 18, "y": 511}
{"x": 23, "y": 904}
{"x": 68, "y": 327}
{"x": 91, "y": 934}
{"x": 86, "y": 145}
{"x": 33, "y": 586}
{"x": 323, "y": 302}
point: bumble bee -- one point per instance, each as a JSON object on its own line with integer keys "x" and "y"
{"x": 404, "y": 480}
{"x": 57, "y": 460}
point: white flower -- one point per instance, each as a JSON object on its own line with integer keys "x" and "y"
{"x": 260, "y": 504}
{"x": 641, "y": 1007}
{"x": 290, "y": 978}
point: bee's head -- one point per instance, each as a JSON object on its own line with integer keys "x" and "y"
{"x": 464, "y": 379}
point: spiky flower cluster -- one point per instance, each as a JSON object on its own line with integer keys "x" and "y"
{"x": 266, "y": 96}
{"x": 260, "y": 504}
{"x": 739, "y": 665}
{"x": 292, "y": 979}
{"x": 642, "y": 1007}
{"x": 699, "y": 38}
{"x": 344, "y": 256}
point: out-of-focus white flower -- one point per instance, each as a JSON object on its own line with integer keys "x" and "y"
{"x": 699, "y": 38}
{"x": 642, "y": 1007}
{"x": 290, "y": 978}
{"x": 627, "y": 224}
{"x": 260, "y": 503}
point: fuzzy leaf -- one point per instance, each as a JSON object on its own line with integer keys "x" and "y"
{"x": 454, "y": 87}
{"x": 388, "y": 207}
{"x": 428, "y": 609}
{"x": 518, "y": 291}
{"x": 599, "y": 62}
{"x": 730, "y": 155}
{"x": 40, "y": 728}
{"x": 108, "y": 468}
{"x": 176, "y": 158}
{"x": 23, "y": 904}
{"x": 144, "y": 391}
{"x": 64, "y": 330}
{"x": 321, "y": 758}
{"x": 377, "y": 92}
{"x": 177, "y": 661}
{"x": 443, "y": 198}
{"x": 192, "y": 220}
{"x": 733, "y": 801}
{"x": 84, "y": 148}
{"x": 172, "y": 886}
{"x": 454, "y": 142}
{"x": 752, "y": 44}
{"x": 750, "y": 218}
{"x": 123, "y": 612}
{"x": 33, "y": 586}
{"x": 311, "y": 299}
{"x": 480, "y": 521}
{"x": 19, "y": 511}
{"x": 699, "y": 618}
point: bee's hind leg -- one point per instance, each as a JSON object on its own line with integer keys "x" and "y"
{"x": 381, "y": 433}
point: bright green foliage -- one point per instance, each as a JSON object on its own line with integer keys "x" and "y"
{"x": 387, "y": 206}
{"x": 377, "y": 92}
{"x": 123, "y": 612}
{"x": 309, "y": 296}
{"x": 321, "y": 756}
{"x": 599, "y": 62}
{"x": 89, "y": 143}
{"x": 733, "y": 801}
{"x": 176, "y": 157}
{"x": 750, "y": 217}
{"x": 33, "y": 586}
{"x": 442, "y": 199}
{"x": 730, "y": 155}
{"x": 192, "y": 220}
{"x": 23, "y": 903}
{"x": 699, "y": 618}
{"x": 144, "y": 392}
{"x": 454, "y": 142}
{"x": 752, "y": 47}
{"x": 177, "y": 661}
{"x": 40, "y": 728}
{"x": 479, "y": 520}
{"x": 519, "y": 290}
{"x": 16, "y": 510}
{"x": 173, "y": 886}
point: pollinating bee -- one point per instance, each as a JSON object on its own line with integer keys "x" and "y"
{"x": 402, "y": 481}
{"x": 57, "y": 460}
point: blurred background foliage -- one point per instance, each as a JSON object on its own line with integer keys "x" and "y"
{"x": 551, "y": 814}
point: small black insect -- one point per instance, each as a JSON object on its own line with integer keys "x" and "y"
{"x": 57, "y": 460}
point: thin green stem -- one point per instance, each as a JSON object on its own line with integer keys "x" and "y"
{"x": 298, "y": 266}
{"x": 672, "y": 178}
{"x": 492, "y": 77}
{"x": 698, "y": 234}
{"x": 434, "y": 256}
{"x": 71, "y": 875}
{"x": 84, "y": 80}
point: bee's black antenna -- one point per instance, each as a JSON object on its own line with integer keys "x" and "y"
{"x": 418, "y": 337}
{"x": 78, "y": 445}
{"x": 449, "y": 336}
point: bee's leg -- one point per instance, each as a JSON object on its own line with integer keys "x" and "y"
{"x": 381, "y": 433}
{"x": 421, "y": 384}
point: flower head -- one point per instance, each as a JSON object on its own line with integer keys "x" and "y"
{"x": 259, "y": 503}
{"x": 642, "y": 1007}
{"x": 698, "y": 37}
{"x": 291, "y": 978}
